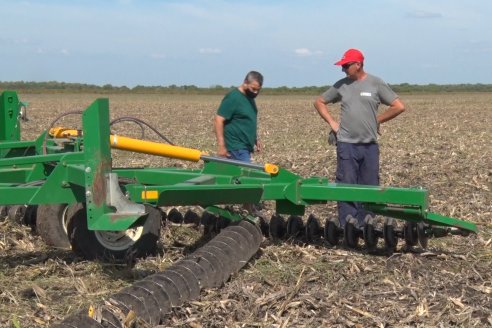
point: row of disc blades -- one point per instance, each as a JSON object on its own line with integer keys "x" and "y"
{"x": 312, "y": 231}
{"x": 152, "y": 298}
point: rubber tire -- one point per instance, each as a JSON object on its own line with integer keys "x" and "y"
{"x": 85, "y": 243}
{"x": 49, "y": 224}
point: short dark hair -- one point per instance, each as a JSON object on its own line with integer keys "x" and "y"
{"x": 254, "y": 76}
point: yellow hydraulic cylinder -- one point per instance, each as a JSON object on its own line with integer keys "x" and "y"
{"x": 160, "y": 149}
{"x": 155, "y": 148}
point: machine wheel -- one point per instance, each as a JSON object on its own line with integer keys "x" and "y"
{"x": 332, "y": 231}
{"x": 351, "y": 232}
{"x": 370, "y": 236}
{"x": 51, "y": 224}
{"x": 113, "y": 245}
{"x": 277, "y": 227}
{"x": 422, "y": 235}
{"x": 294, "y": 226}
{"x": 410, "y": 233}
{"x": 389, "y": 235}
{"x": 313, "y": 229}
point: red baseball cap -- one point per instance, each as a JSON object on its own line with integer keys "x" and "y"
{"x": 351, "y": 55}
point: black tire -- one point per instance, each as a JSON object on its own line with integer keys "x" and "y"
{"x": 51, "y": 224}
{"x": 93, "y": 245}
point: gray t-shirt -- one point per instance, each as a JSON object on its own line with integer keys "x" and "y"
{"x": 360, "y": 100}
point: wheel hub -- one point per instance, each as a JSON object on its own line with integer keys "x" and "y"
{"x": 119, "y": 240}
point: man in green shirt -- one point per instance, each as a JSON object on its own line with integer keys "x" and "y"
{"x": 236, "y": 120}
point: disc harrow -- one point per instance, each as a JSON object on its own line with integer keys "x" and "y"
{"x": 64, "y": 185}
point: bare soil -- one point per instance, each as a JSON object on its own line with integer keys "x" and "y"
{"x": 441, "y": 143}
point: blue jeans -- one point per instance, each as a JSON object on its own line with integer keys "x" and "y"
{"x": 356, "y": 164}
{"x": 243, "y": 155}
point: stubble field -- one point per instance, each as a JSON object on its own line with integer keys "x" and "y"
{"x": 442, "y": 143}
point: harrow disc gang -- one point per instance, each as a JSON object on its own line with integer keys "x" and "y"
{"x": 152, "y": 298}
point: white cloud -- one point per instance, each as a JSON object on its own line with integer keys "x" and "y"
{"x": 64, "y": 52}
{"x": 424, "y": 14}
{"x": 21, "y": 41}
{"x": 305, "y": 52}
{"x": 157, "y": 56}
{"x": 209, "y": 51}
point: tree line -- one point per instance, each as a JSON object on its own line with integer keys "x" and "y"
{"x": 63, "y": 87}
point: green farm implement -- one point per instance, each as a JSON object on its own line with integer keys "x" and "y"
{"x": 64, "y": 184}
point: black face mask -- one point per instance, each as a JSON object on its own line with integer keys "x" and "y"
{"x": 250, "y": 94}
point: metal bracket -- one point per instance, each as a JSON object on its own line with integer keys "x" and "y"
{"x": 116, "y": 199}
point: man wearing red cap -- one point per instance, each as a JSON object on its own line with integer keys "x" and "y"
{"x": 356, "y": 133}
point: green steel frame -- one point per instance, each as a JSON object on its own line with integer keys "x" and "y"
{"x": 57, "y": 171}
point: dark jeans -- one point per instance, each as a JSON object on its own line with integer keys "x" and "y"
{"x": 243, "y": 155}
{"x": 356, "y": 164}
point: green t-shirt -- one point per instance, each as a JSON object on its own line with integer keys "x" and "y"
{"x": 240, "y": 114}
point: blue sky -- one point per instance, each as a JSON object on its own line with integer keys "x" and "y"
{"x": 206, "y": 43}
